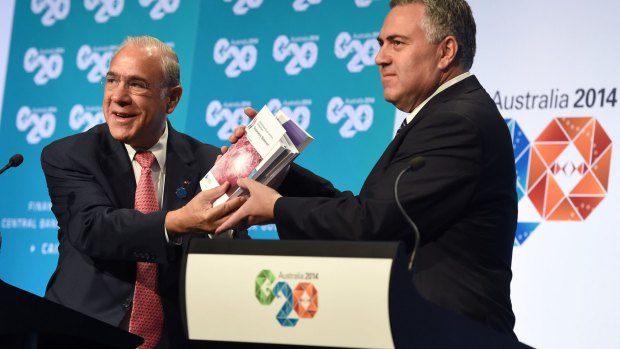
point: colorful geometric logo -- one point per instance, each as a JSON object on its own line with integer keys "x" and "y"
{"x": 303, "y": 300}
{"x": 261, "y": 287}
{"x": 564, "y": 172}
{"x": 521, "y": 148}
{"x": 569, "y": 169}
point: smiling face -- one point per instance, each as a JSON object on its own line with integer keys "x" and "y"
{"x": 408, "y": 62}
{"x": 135, "y": 104}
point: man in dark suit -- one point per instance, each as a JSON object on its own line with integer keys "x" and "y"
{"x": 463, "y": 201}
{"x": 110, "y": 246}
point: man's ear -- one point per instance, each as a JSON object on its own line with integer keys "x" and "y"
{"x": 447, "y": 51}
{"x": 174, "y": 96}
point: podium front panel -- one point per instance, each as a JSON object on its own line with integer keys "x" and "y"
{"x": 288, "y": 299}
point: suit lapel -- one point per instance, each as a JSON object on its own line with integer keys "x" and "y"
{"x": 182, "y": 172}
{"x": 467, "y": 85}
{"x": 117, "y": 169}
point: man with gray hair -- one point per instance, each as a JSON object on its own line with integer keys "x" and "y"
{"x": 463, "y": 200}
{"x": 124, "y": 194}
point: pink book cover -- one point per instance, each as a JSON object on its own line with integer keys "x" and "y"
{"x": 239, "y": 161}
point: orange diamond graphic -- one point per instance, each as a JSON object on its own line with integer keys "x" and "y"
{"x": 305, "y": 300}
{"x": 549, "y": 167}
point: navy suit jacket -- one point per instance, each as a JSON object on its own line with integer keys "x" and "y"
{"x": 463, "y": 201}
{"x": 91, "y": 184}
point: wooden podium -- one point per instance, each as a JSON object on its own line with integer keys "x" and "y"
{"x": 266, "y": 294}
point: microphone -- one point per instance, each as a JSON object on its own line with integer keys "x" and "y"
{"x": 14, "y": 161}
{"x": 414, "y": 164}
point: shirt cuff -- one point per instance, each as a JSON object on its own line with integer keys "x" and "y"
{"x": 172, "y": 241}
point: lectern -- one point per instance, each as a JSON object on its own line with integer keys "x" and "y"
{"x": 29, "y": 321}
{"x": 266, "y": 294}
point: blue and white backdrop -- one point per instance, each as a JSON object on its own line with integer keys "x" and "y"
{"x": 548, "y": 65}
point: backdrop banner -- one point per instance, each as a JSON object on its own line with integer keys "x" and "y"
{"x": 546, "y": 64}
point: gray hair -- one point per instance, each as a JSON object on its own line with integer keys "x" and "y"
{"x": 448, "y": 17}
{"x": 169, "y": 61}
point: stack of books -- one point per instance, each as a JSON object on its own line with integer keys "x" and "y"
{"x": 269, "y": 145}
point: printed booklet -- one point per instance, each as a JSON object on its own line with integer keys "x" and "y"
{"x": 269, "y": 145}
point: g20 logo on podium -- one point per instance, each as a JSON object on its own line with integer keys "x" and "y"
{"x": 303, "y": 300}
{"x": 564, "y": 171}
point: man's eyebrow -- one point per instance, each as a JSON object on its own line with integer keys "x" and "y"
{"x": 396, "y": 37}
{"x": 391, "y": 38}
{"x": 129, "y": 77}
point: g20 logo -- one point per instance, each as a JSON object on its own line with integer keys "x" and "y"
{"x": 297, "y": 111}
{"x": 87, "y": 57}
{"x": 83, "y": 118}
{"x": 161, "y": 8}
{"x": 303, "y": 299}
{"x": 107, "y": 9}
{"x": 242, "y": 7}
{"x": 357, "y": 113}
{"x": 303, "y": 56}
{"x": 363, "y": 52}
{"x": 230, "y": 118}
{"x": 363, "y": 3}
{"x": 49, "y": 65}
{"x": 40, "y": 123}
{"x": 55, "y": 10}
{"x": 564, "y": 172}
{"x": 243, "y": 57}
{"x": 302, "y": 5}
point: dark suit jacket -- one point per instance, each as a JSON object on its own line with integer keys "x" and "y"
{"x": 463, "y": 201}
{"x": 91, "y": 184}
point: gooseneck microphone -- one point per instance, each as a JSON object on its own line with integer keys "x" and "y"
{"x": 414, "y": 164}
{"x": 14, "y": 161}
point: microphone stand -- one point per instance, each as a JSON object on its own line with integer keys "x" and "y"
{"x": 414, "y": 164}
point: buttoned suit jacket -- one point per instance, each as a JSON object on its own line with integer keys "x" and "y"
{"x": 463, "y": 201}
{"x": 92, "y": 186}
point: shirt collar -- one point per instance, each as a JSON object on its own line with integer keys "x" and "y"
{"x": 159, "y": 149}
{"x": 441, "y": 88}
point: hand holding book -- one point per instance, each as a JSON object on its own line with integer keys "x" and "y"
{"x": 239, "y": 131}
{"x": 268, "y": 146}
{"x": 258, "y": 209}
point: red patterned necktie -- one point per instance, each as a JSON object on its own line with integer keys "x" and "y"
{"x": 147, "y": 315}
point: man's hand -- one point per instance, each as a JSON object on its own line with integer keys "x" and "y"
{"x": 258, "y": 209}
{"x": 199, "y": 215}
{"x": 239, "y": 130}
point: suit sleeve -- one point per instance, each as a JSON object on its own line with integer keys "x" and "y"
{"x": 434, "y": 196}
{"x": 91, "y": 220}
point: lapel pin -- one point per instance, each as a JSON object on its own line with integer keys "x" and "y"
{"x": 181, "y": 192}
